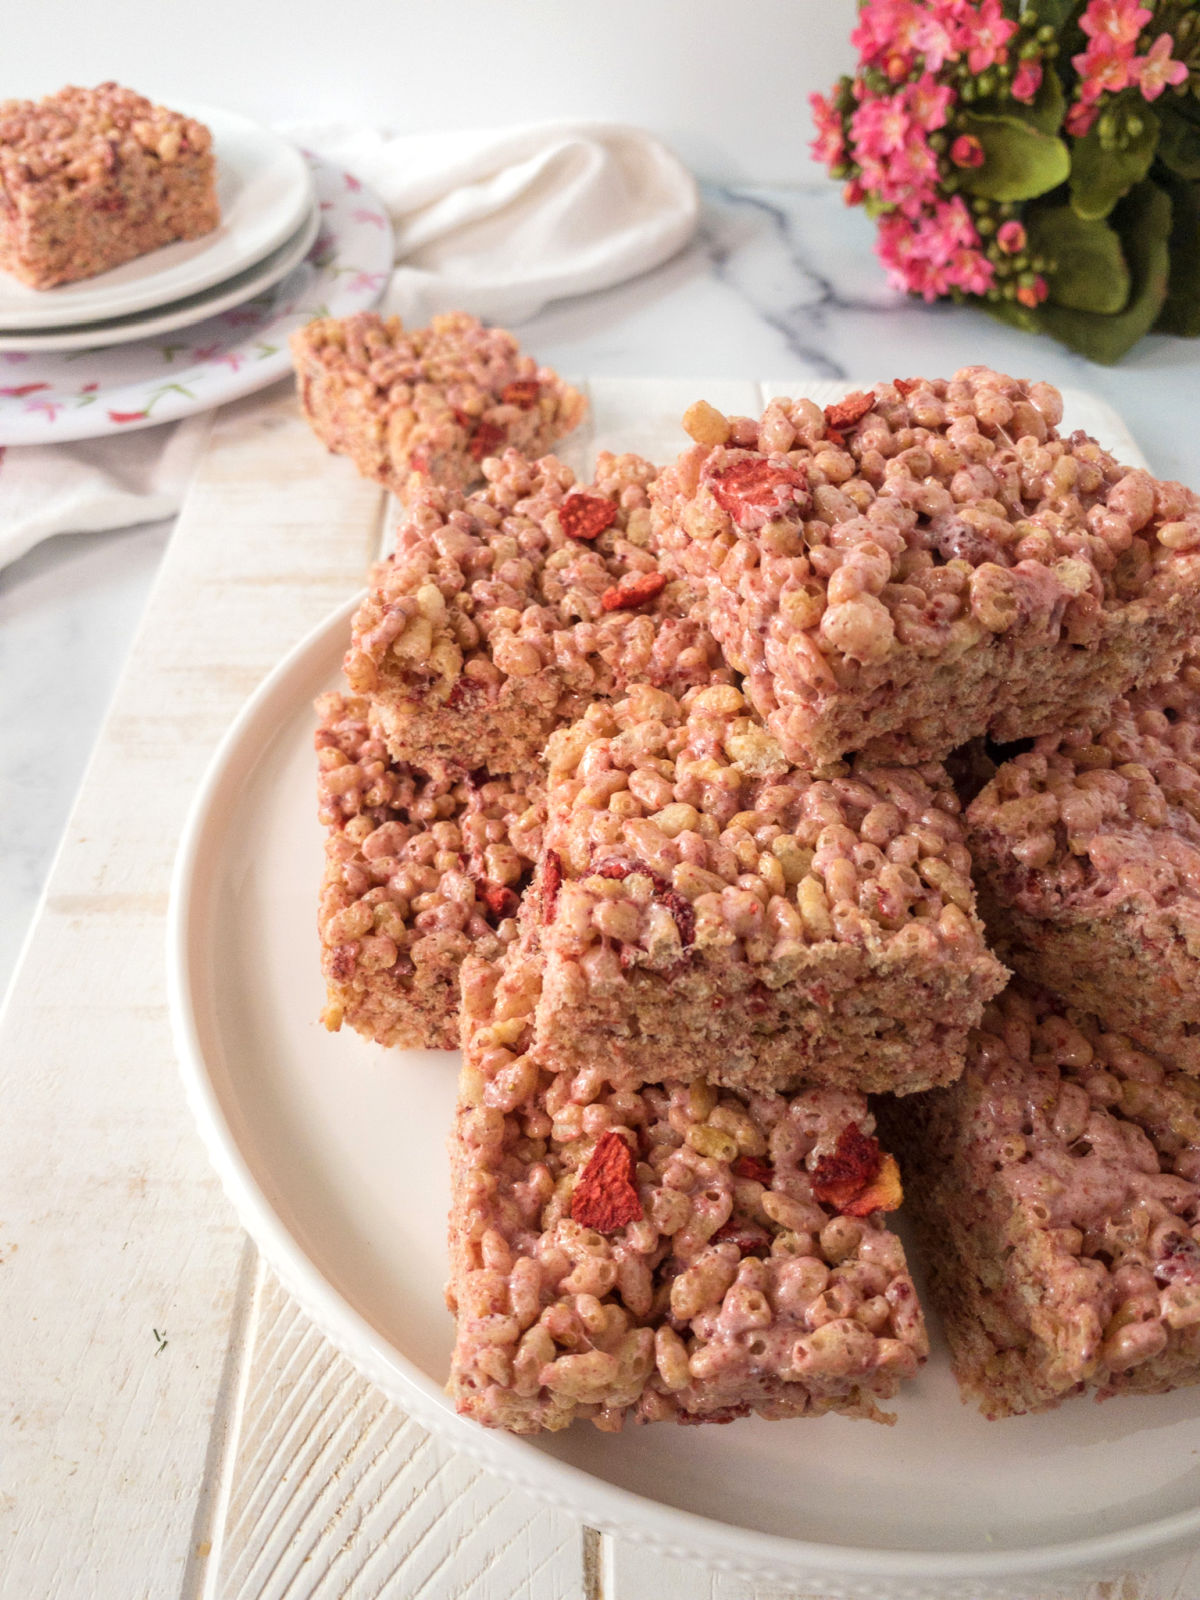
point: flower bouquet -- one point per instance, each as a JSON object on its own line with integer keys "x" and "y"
{"x": 1040, "y": 158}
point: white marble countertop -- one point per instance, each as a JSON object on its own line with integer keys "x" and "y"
{"x": 777, "y": 282}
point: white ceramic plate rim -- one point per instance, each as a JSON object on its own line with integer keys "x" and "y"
{"x": 251, "y": 229}
{"x": 179, "y": 314}
{"x": 633, "y": 1516}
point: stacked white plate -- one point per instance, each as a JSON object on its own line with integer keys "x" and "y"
{"x": 203, "y": 320}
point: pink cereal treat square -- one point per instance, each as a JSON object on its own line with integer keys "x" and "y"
{"x": 419, "y": 871}
{"x": 92, "y": 178}
{"x": 1056, "y": 1194}
{"x": 502, "y": 613}
{"x": 704, "y": 908}
{"x": 427, "y": 405}
{"x": 668, "y": 1252}
{"x": 927, "y": 562}
{"x": 1087, "y": 855}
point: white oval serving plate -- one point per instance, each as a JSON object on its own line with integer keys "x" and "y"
{"x": 265, "y": 192}
{"x": 333, "y": 1152}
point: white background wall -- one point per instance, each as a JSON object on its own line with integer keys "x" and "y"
{"x": 724, "y": 82}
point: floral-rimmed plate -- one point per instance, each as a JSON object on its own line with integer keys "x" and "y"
{"x": 53, "y": 398}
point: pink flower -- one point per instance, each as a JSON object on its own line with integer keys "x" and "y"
{"x": 985, "y": 32}
{"x": 935, "y": 252}
{"x": 1079, "y": 119}
{"x": 966, "y": 151}
{"x": 879, "y": 127}
{"x": 1027, "y": 80}
{"x": 1011, "y": 238}
{"x": 1117, "y": 21}
{"x": 1103, "y": 68}
{"x": 1032, "y": 294}
{"x": 853, "y": 193}
{"x": 1155, "y": 70}
{"x": 829, "y": 147}
{"x": 929, "y": 102}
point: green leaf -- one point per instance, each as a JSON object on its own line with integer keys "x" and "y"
{"x": 1089, "y": 272}
{"x": 1019, "y": 162}
{"x": 1181, "y": 311}
{"x": 1143, "y": 220}
{"x": 1017, "y": 316}
{"x": 1053, "y": 12}
{"x": 1099, "y": 176}
{"x": 1179, "y": 144}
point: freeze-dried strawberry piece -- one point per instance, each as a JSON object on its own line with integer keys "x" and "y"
{"x": 585, "y": 516}
{"x": 750, "y": 1238}
{"x": 906, "y": 385}
{"x": 522, "y": 392}
{"x": 485, "y": 441}
{"x": 482, "y": 437}
{"x": 845, "y": 413}
{"x": 617, "y": 869}
{"x": 753, "y": 1167}
{"x": 465, "y": 689}
{"x": 500, "y": 901}
{"x": 605, "y": 1197}
{"x": 633, "y": 590}
{"x": 755, "y": 489}
{"x": 858, "y": 1177}
{"x": 551, "y": 883}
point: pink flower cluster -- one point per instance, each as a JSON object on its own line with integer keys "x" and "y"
{"x": 1111, "y": 62}
{"x": 891, "y": 34}
{"x": 928, "y": 243}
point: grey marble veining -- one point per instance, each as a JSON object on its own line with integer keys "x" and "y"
{"x": 777, "y": 282}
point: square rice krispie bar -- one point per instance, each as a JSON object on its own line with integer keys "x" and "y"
{"x": 670, "y": 1252}
{"x": 418, "y": 872}
{"x": 427, "y": 405}
{"x": 1087, "y": 857}
{"x": 502, "y": 613}
{"x": 91, "y": 178}
{"x": 928, "y": 562}
{"x": 1056, "y": 1188}
{"x": 705, "y": 910}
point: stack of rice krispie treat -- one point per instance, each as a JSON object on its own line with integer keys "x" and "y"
{"x": 653, "y": 770}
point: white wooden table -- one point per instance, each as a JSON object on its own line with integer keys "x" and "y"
{"x": 170, "y": 1424}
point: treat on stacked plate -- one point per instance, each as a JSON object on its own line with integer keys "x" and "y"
{"x": 656, "y": 767}
{"x": 125, "y": 218}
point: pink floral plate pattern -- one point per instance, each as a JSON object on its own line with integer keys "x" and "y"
{"x": 82, "y": 394}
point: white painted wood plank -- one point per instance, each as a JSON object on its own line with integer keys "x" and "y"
{"x": 336, "y": 1495}
{"x": 111, "y": 1223}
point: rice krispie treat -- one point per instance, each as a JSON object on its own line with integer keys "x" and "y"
{"x": 671, "y": 1252}
{"x": 704, "y": 909}
{"x": 1056, "y": 1189}
{"x": 502, "y": 613}
{"x": 928, "y": 562}
{"x": 427, "y": 405}
{"x": 418, "y": 872}
{"x": 1087, "y": 855}
{"x": 91, "y": 178}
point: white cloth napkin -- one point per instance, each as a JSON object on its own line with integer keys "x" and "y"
{"x": 497, "y": 222}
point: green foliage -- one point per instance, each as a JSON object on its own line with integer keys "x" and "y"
{"x": 1143, "y": 221}
{"x": 1019, "y": 162}
{"x": 1179, "y": 143}
{"x": 1089, "y": 272}
{"x": 1181, "y": 311}
{"x": 1100, "y": 175}
{"x": 1044, "y": 112}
